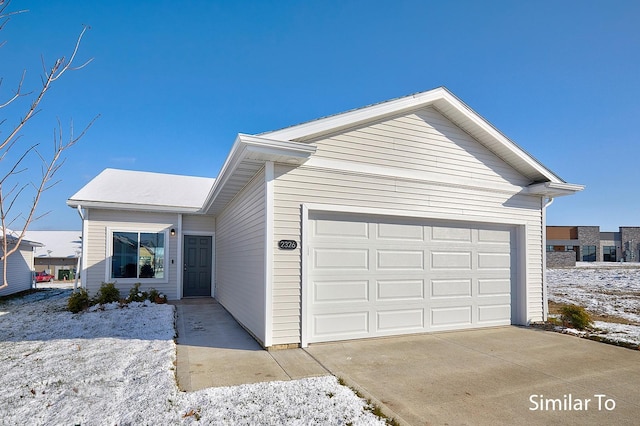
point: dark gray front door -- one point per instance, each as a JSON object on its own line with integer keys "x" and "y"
{"x": 197, "y": 266}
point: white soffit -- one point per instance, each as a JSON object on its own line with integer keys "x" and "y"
{"x": 247, "y": 157}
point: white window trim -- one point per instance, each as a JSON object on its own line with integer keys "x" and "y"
{"x": 109, "y": 256}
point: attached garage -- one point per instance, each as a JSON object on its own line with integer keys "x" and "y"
{"x": 379, "y": 276}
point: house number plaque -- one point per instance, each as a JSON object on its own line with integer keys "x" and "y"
{"x": 287, "y": 244}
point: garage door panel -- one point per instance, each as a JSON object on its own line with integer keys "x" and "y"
{"x": 340, "y": 325}
{"x": 398, "y": 290}
{"x": 402, "y": 320}
{"x": 340, "y": 291}
{"x": 400, "y": 260}
{"x": 494, "y": 261}
{"x": 451, "y": 260}
{"x": 494, "y": 314}
{"x": 451, "y": 288}
{"x": 396, "y": 231}
{"x": 494, "y": 236}
{"x": 332, "y": 259}
{"x": 450, "y": 233}
{"x": 407, "y": 276}
{"x": 491, "y": 287}
{"x": 450, "y": 316}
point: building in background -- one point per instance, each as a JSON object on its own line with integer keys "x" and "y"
{"x": 19, "y": 265}
{"x": 59, "y": 253}
{"x": 588, "y": 244}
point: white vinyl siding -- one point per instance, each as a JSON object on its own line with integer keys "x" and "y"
{"x": 418, "y": 142}
{"x": 240, "y": 256}
{"x": 194, "y": 224}
{"x": 19, "y": 271}
{"x": 101, "y": 224}
{"x": 423, "y": 141}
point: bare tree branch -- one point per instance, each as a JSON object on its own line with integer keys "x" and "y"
{"x": 49, "y": 166}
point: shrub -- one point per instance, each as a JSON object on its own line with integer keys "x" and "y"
{"x": 135, "y": 295}
{"x": 107, "y": 293}
{"x": 575, "y": 316}
{"x": 78, "y": 301}
{"x": 156, "y": 297}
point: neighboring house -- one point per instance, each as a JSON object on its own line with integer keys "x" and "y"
{"x": 19, "y": 266}
{"x": 59, "y": 252}
{"x": 412, "y": 215}
{"x": 588, "y": 244}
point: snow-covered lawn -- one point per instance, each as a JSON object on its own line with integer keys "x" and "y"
{"x": 607, "y": 290}
{"x": 117, "y": 367}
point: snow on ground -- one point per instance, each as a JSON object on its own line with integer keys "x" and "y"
{"x": 116, "y": 366}
{"x": 609, "y": 289}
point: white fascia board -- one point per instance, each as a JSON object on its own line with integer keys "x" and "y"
{"x": 554, "y": 189}
{"x": 507, "y": 143}
{"x": 245, "y": 144}
{"x": 125, "y": 206}
{"x": 352, "y": 118}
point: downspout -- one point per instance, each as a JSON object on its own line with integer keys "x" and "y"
{"x": 78, "y": 270}
{"x": 545, "y": 304}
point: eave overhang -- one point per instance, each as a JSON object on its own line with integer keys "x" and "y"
{"x": 248, "y": 155}
{"x": 132, "y": 207}
{"x": 554, "y": 189}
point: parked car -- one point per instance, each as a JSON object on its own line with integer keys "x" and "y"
{"x": 43, "y": 277}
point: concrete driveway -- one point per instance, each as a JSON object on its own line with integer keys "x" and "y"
{"x": 471, "y": 377}
{"x": 506, "y": 375}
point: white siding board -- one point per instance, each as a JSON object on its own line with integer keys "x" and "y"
{"x": 240, "y": 256}
{"x": 423, "y": 140}
{"x": 98, "y": 260}
{"x": 194, "y": 224}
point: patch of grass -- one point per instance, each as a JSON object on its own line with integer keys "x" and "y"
{"x": 555, "y": 307}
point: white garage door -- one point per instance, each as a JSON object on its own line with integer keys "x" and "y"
{"x": 380, "y": 276}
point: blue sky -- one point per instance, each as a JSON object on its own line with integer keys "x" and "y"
{"x": 175, "y": 82}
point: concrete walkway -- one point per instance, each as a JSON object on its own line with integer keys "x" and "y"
{"x": 213, "y": 351}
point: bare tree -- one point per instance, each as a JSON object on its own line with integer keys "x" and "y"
{"x": 11, "y": 188}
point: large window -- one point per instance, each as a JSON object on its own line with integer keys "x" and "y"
{"x": 588, "y": 253}
{"x": 137, "y": 255}
{"x": 609, "y": 253}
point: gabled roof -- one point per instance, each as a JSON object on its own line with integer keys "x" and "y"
{"x": 131, "y": 190}
{"x": 294, "y": 145}
{"x": 448, "y": 105}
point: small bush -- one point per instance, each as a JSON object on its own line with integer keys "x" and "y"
{"x": 135, "y": 295}
{"x": 78, "y": 301}
{"x": 575, "y": 316}
{"x": 156, "y": 297}
{"x": 107, "y": 293}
